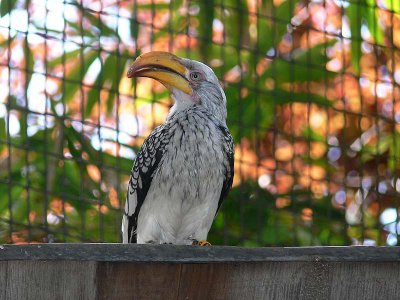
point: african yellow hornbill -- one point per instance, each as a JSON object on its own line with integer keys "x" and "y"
{"x": 184, "y": 169}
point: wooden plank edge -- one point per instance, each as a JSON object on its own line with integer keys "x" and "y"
{"x": 193, "y": 254}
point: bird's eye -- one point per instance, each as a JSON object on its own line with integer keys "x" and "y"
{"x": 195, "y": 76}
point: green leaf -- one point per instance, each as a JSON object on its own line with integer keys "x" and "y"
{"x": 134, "y": 25}
{"x": 155, "y": 6}
{"x": 71, "y": 178}
{"x": 353, "y": 13}
{"x": 307, "y": 65}
{"x": 271, "y": 30}
{"x": 285, "y": 97}
{"x": 393, "y": 5}
{"x": 311, "y": 135}
{"x": 370, "y": 151}
{"x": 321, "y": 162}
{"x": 357, "y": 13}
{"x": 246, "y": 203}
{"x": 282, "y": 18}
{"x": 74, "y": 78}
{"x": 66, "y": 56}
{"x": 206, "y": 19}
{"x": 29, "y": 62}
{"x": 3, "y": 203}
{"x": 118, "y": 64}
{"x": 6, "y": 6}
{"x": 394, "y": 153}
{"x": 3, "y": 133}
{"x": 228, "y": 55}
{"x": 246, "y": 114}
{"x": 7, "y": 41}
{"x": 76, "y": 26}
{"x": 94, "y": 155}
{"x": 108, "y": 73}
{"x": 369, "y": 13}
{"x": 236, "y": 22}
{"x": 266, "y": 6}
{"x": 95, "y": 21}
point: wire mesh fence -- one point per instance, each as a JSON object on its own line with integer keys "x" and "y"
{"x": 313, "y": 106}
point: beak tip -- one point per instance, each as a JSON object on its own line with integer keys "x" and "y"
{"x": 129, "y": 74}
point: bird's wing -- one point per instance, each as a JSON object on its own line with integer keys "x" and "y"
{"x": 143, "y": 171}
{"x": 229, "y": 152}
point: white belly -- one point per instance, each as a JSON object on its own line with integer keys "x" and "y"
{"x": 183, "y": 198}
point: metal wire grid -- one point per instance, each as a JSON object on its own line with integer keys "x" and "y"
{"x": 265, "y": 216}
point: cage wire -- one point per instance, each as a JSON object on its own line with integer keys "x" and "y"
{"x": 313, "y": 106}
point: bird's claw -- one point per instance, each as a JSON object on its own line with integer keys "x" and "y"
{"x": 201, "y": 243}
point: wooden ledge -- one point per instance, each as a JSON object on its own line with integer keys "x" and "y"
{"x": 195, "y": 254}
{"x": 115, "y": 271}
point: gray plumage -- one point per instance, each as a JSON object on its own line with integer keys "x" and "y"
{"x": 184, "y": 169}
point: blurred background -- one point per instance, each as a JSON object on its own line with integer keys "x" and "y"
{"x": 313, "y": 105}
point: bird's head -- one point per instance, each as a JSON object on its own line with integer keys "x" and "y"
{"x": 190, "y": 82}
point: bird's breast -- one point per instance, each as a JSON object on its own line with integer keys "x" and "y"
{"x": 193, "y": 162}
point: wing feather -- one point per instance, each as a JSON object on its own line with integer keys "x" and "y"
{"x": 229, "y": 153}
{"x": 146, "y": 164}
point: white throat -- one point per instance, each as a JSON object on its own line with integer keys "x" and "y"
{"x": 182, "y": 101}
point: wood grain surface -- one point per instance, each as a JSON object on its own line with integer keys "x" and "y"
{"x": 195, "y": 254}
{"x": 292, "y": 274}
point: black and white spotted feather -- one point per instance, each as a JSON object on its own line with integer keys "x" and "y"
{"x": 229, "y": 150}
{"x": 146, "y": 163}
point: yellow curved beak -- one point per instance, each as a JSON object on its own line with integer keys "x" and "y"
{"x": 163, "y": 67}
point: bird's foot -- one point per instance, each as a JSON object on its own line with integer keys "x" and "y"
{"x": 201, "y": 243}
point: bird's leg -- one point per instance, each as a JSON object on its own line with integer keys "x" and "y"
{"x": 201, "y": 243}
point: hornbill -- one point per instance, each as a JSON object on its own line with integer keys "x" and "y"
{"x": 184, "y": 168}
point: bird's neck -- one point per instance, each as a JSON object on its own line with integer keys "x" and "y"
{"x": 179, "y": 107}
{"x": 182, "y": 101}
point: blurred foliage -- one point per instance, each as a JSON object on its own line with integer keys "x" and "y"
{"x": 312, "y": 91}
